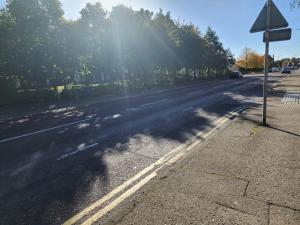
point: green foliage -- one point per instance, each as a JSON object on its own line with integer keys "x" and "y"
{"x": 7, "y": 89}
{"x": 121, "y": 48}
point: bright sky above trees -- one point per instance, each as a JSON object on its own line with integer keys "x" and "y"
{"x": 231, "y": 19}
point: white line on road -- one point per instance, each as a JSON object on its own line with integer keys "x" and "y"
{"x": 222, "y": 85}
{"x": 80, "y": 148}
{"x": 133, "y": 109}
{"x": 37, "y": 113}
{"x": 152, "y": 103}
{"x": 187, "y": 109}
{"x": 283, "y": 79}
{"x": 113, "y": 117}
{"x": 168, "y": 159}
{"x": 194, "y": 92}
{"x": 45, "y": 130}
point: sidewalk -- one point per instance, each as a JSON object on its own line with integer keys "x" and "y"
{"x": 245, "y": 175}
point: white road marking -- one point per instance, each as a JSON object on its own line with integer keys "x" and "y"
{"x": 61, "y": 110}
{"x": 283, "y": 79}
{"x": 222, "y": 85}
{"x": 194, "y": 92}
{"x": 36, "y": 113}
{"x": 80, "y": 148}
{"x": 187, "y": 109}
{"x": 169, "y": 158}
{"x": 83, "y": 125}
{"x": 133, "y": 109}
{"x": 291, "y": 98}
{"x": 43, "y": 131}
{"x": 113, "y": 117}
{"x": 152, "y": 103}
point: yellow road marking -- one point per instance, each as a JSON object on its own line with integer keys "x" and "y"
{"x": 127, "y": 183}
{"x": 120, "y": 199}
{"x": 169, "y": 158}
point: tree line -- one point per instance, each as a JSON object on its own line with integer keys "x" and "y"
{"x": 41, "y": 49}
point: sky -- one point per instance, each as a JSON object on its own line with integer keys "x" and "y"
{"x": 231, "y": 19}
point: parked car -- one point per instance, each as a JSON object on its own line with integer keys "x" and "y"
{"x": 285, "y": 70}
{"x": 236, "y": 75}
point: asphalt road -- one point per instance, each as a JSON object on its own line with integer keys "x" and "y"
{"x": 56, "y": 163}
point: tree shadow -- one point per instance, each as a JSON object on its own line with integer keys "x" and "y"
{"x": 37, "y": 188}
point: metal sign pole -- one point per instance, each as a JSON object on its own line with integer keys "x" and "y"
{"x": 270, "y": 20}
{"x": 265, "y": 91}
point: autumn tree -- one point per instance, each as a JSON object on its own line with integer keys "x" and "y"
{"x": 249, "y": 59}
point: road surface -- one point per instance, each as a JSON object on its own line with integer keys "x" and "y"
{"x": 55, "y": 164}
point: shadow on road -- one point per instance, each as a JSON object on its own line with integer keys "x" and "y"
{"x": 38, "y": 189}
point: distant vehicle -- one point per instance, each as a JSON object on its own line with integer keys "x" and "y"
{"x": 285, "y": 70}
{"x": 275, "y": 69}
{"x": 236, "y": 75}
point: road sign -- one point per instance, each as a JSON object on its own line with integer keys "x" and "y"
{"x": 276, "y": 19}
{"x": 278, "y": 35}
{"x": 270, "y": 18}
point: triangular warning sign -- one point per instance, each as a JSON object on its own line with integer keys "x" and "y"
{"x": 276, "y": 21}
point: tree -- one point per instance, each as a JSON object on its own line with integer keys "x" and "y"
{"x": 91, "y": 29}
{"x": 192, "y": 48}
{"x": 128, "y": 48}
{"x": 7, "y": 43}
{"x": 230, "y": 58}
{"x": 216, "y": 59}
{"x": 34, "y": 36}
{"x": 249, "y": 59}
{"x": 166, "y": 43}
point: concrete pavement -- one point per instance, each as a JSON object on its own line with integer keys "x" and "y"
{"x": 247, "y": 174}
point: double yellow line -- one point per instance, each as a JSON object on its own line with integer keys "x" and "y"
{"x": 166, "y": 160}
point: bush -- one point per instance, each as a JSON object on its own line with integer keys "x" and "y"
{"x": 8, "y": 90}
{"x": 251, "y": 70}
{"x": 10, "y": 95}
